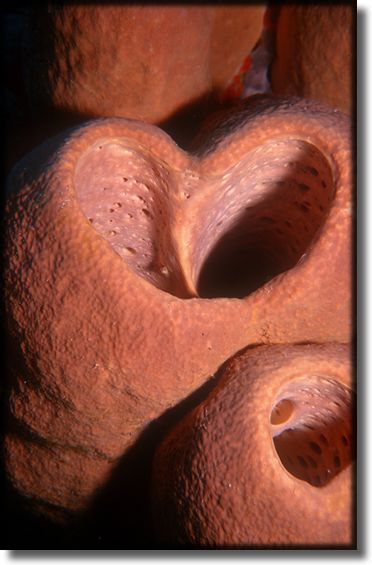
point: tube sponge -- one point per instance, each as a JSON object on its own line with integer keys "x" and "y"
{"x": 266, "y": 458}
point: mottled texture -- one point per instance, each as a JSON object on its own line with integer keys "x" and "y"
{"x": 108, "y": 330}
{"x": 144, "y": 62}
{"x": 314, "y": 53}
{"x": 217, "y": 477}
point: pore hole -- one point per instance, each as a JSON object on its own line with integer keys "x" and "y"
{"x": 281, "y": 412}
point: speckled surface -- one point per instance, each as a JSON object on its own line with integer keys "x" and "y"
{"x": 314, "y": 53}
{"x": 100, "y": 346}
{"x": 217, "y": 479}
{"x": 144, "y": 62}
{"x": 80, "y": 444}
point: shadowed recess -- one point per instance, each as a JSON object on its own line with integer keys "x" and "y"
{"x": 311, "y": 428}
{"x": 267, "y": 214}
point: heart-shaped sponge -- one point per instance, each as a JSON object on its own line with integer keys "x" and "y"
{"x": 134, "y": 269}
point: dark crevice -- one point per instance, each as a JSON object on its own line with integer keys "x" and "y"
{"x": 270, "y": 236}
